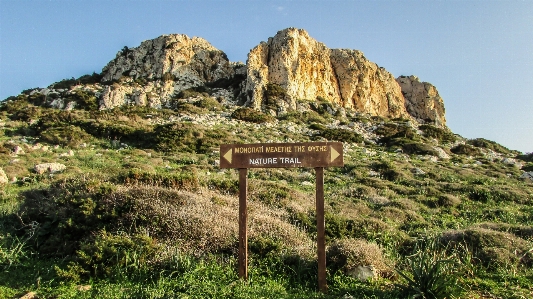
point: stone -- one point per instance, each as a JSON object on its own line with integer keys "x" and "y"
{"x": 3, "y": 177}
{"x": 17, "y": 150}
{"x": 30, "y": 295}
{"x": 49, "y": 167}
{"x": 363, "y": 273}
{"x": 511, "y": 161}
{"x": 69, "y": 153}
{"x": 441, "y": 154}
{"x": 417, "y": 171}
{"x": 422, "y": 100}
{"x": 527, "y": 176}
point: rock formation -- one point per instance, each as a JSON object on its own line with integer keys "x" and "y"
{"x": 422, "y": 100}
{"x": 307, "y": 69}
{"x": 289, "y": 67}
{"x": 151, "y": 73}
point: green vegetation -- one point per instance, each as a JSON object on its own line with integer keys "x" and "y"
{"x": 142, "y": 209}
{"x": 251, "y": 115}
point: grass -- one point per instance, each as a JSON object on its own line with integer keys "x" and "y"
{"x": 150, "y": 215}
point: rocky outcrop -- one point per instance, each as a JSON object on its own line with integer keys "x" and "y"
{"x": 189, "y": 61}
{"x": 288, "y": 67}
{"x": 422, "y": 100}
{"x": 151, "y": 73}
{"x": 366, "y": 87}
{"x": 292, "y": 60}
{"x": 49, "y": 167}
{"x": 3, "y": 177}
{"x": 307, "y": 69}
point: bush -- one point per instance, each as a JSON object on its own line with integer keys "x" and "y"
{"x": 493, "y": 249}
{"x": 430, "y": 272}
{"x": 448, "y": 201}
{"x": 418, "y": 148}
{"x": 193, "y": 92}
{"x": 107, "y": 254}
{"x": 388, "y": 171}
{"x": 85, "y": 79}
{"x": 484, "y": 143}
{"x": 251, "y": 115}
{"x": 440, "y": 134}
{"x": 186, "y": 137}
{"x": 71, "y": 136}
{"x": 342, "y": 135}
{"x": 209, "y": 104}
{"x": 349, "y": 254}
{"x": 274, "y": 90}
{"x": 465, "y": 149}
{"x": 526, "y": 157}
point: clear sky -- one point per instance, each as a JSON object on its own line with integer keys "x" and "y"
{"x": 479, "y": 54}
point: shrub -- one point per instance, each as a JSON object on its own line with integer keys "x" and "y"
{"x": 251, "y": 115}
{"x": 493, "y": 249}
{"x": 429, "y": 272}
{"x": 85, "y": 79}
{"x": 66, "y": 136}
{"x": 106, "y": 254}
{"x": 484, "y": 143}
{"x": 193, "y": 92}
{"x": 84, "y": 100}
{"x": 349, "y": 254}
{"x": 448, "y": 201}
{"x": 388, "y": 171}
{"x": 183, "y": 180}
{"x": 396, "y": 134}
{"x": 186, "y": 137}
{"x": 274, "y": 90}
{"x": 526, "y": 157}
{"x": 65, "y": 213}
{"x": 322, "y": 107}
{"x": 418, "y": 149}
{"x": 342, "y": 135}
{"x": 442, "y": 135}
{"x": 465, "y": 149}
{"x": 209, "y": 104}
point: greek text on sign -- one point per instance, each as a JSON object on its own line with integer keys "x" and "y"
{"x": 267, "y": 155}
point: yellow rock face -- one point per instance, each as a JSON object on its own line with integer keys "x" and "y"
{"x": 307, "y": 69}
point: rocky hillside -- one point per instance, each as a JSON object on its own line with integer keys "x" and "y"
{"x": 280, "y": 73}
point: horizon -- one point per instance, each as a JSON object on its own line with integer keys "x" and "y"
{"x": 476, "y": 53}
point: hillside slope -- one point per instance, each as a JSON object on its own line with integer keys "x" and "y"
{"x": 125, "y": 199}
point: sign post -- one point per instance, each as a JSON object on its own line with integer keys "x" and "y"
{"x": 243, "y": 219}
{"x": 282, "y": 155}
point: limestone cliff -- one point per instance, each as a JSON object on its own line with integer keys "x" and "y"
{"x": 288, "y": 67}
{"x": 422, "y": 100}
{"x": 151, "y": 73}
{"x": 307, "y": 69}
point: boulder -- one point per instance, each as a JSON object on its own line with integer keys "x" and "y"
{"x": 3, "y": 177}
{"x": 49, "y": 167}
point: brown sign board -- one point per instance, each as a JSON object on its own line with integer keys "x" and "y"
{"x": 281, "y": 155}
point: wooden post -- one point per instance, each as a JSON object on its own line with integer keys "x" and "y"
{"x": 320, "y": 227}
{"x": 243, "y": 218}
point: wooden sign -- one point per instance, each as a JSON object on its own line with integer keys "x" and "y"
{"x": 268, "y": 155}
{"x": 281, "y": 155}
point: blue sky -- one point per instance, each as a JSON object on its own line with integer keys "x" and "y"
{"x": 479, "y": 54}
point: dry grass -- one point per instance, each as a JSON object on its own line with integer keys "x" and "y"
{"x": 206, "y": 221}
{"x": 348, "y": 254}
{"x": 492, "y": 248}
